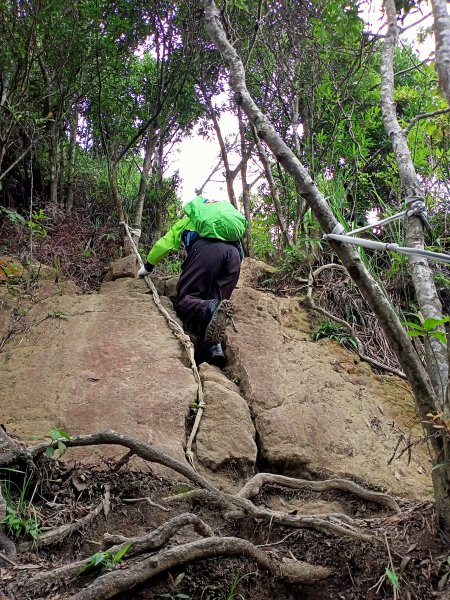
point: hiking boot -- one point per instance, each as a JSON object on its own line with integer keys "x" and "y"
{"x": 220, "y": 313}
{"x": 215, "y": 355}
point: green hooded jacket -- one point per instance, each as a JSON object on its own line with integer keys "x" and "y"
{"x": 210, "y": 219}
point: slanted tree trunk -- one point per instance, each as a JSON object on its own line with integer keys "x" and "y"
{"x": 442, "y": 38}
{"x": 371, "y": 291}
{"x": 426, "y": 293}
{"x": 300, "y": 203}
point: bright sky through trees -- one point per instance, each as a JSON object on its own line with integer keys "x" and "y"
{"x": 197, "y": 157}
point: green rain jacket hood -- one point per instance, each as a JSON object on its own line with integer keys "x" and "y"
{"x": 210, "y": 219}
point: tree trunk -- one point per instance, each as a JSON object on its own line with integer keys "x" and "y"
{"x": 273, "y": 189}
{"x": 245, "y": 186}
{"x": 149, "y": 150}
{"x": 72, "y": 156}
{"x": 54, "y": 163}
{"x": 229, "y": 174}
{"x": 371, "y": 291}
{"x": 426, "y": 293}
{"x": 442, "y": 37}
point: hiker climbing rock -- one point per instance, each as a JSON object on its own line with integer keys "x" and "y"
{"x": 210, "y": 232}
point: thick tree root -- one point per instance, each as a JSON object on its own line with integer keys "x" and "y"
{"x": 233, "y": 506}
{"x": 154, "y": 540}
{"x": 120, "y": 580}
{"x": 255, "y": 484}
{"x": 327, "y": 526}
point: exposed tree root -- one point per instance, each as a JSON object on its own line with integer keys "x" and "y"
{"x": 58, "y": 534}
{"x": 120, "y": 580}
{"x": 329, "y": 524}
{"x": 145, "y": 451}
{"x": 154, "y": 540}
{"x": 255, "y": 484}
{"x": 233, "y": 506}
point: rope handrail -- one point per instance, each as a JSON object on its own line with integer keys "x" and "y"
{"x": 185, "y": 340}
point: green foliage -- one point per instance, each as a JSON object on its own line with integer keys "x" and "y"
{"x": 441, "y": 280}
{"x": 393, "y": 578}
{"x": 334, "y": 331}
{"x": 183, "y": 488}
{"x": 106, "y": 560}
{"x": 20, "y": 522}
{"x": 57, "y": 436}
{"x": 427, "y": 328}
{"x": 35, "y": 224}
{"x": 174, "y": 584}
{"x": 21, "y": 518}
{"x": 172, "y": 264}
{"x": 232, "y": 592}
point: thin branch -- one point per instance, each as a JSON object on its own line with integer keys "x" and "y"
{"x": 429, "y": 115}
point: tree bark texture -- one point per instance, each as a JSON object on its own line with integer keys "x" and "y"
{"x": 399, "y": 340}
{"x": 245, "y": 186}
{"x": 442, "y": 40}
{"x": 422, "y": 276}
{"x": 71, "y": 157}
{"x": 150, "y": 146}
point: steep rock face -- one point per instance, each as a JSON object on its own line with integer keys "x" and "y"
{"x": 226, "y": 436}
{"x": 104, "y": 361}
{"x": 316, "y": 407}
{"x": 85, "y": 363}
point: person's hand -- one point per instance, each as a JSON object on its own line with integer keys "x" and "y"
{"x": 145, "y": 270}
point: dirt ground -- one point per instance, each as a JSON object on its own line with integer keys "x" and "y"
{"x": 408, "y": 543}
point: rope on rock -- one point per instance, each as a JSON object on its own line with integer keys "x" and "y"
{"x": 185, "y": 340}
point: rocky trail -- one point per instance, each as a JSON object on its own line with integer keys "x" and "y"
{"x": 310, "y": 477}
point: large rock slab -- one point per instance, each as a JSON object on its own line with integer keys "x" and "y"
{"x": 317, "y": 408}
{"x": 226, "y": 437}
{"x": 98, "y": 361}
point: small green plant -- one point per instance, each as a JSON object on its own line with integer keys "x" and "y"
{"x": 394, "y": 579}
{"x": 20, "y": 524}
{"x": 236, "y": 579}
{"x": 21, "y": 518}
{"x": 105, "y": 560}
{"x": 57, "y": 314}
{"x": 174, "y": 584}
{"x": 441, "y": 280}
{"x": 36, "y": 224}
{"x": 427, "y": 328}
{"x": 194, "y": 407}
{"x": 334, "y": 331}
{"x": 231, "y": 593}
{"x": 58, "y": 436}
{"x": 173, "y": 265}
{"x": 183, "y": 488}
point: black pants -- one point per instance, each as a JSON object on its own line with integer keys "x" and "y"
{"x": 211, "y": 271}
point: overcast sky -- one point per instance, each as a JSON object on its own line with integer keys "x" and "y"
{"x": 197, "y": 157}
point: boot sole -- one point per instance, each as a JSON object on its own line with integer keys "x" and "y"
{"x": 215, "y": 331}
